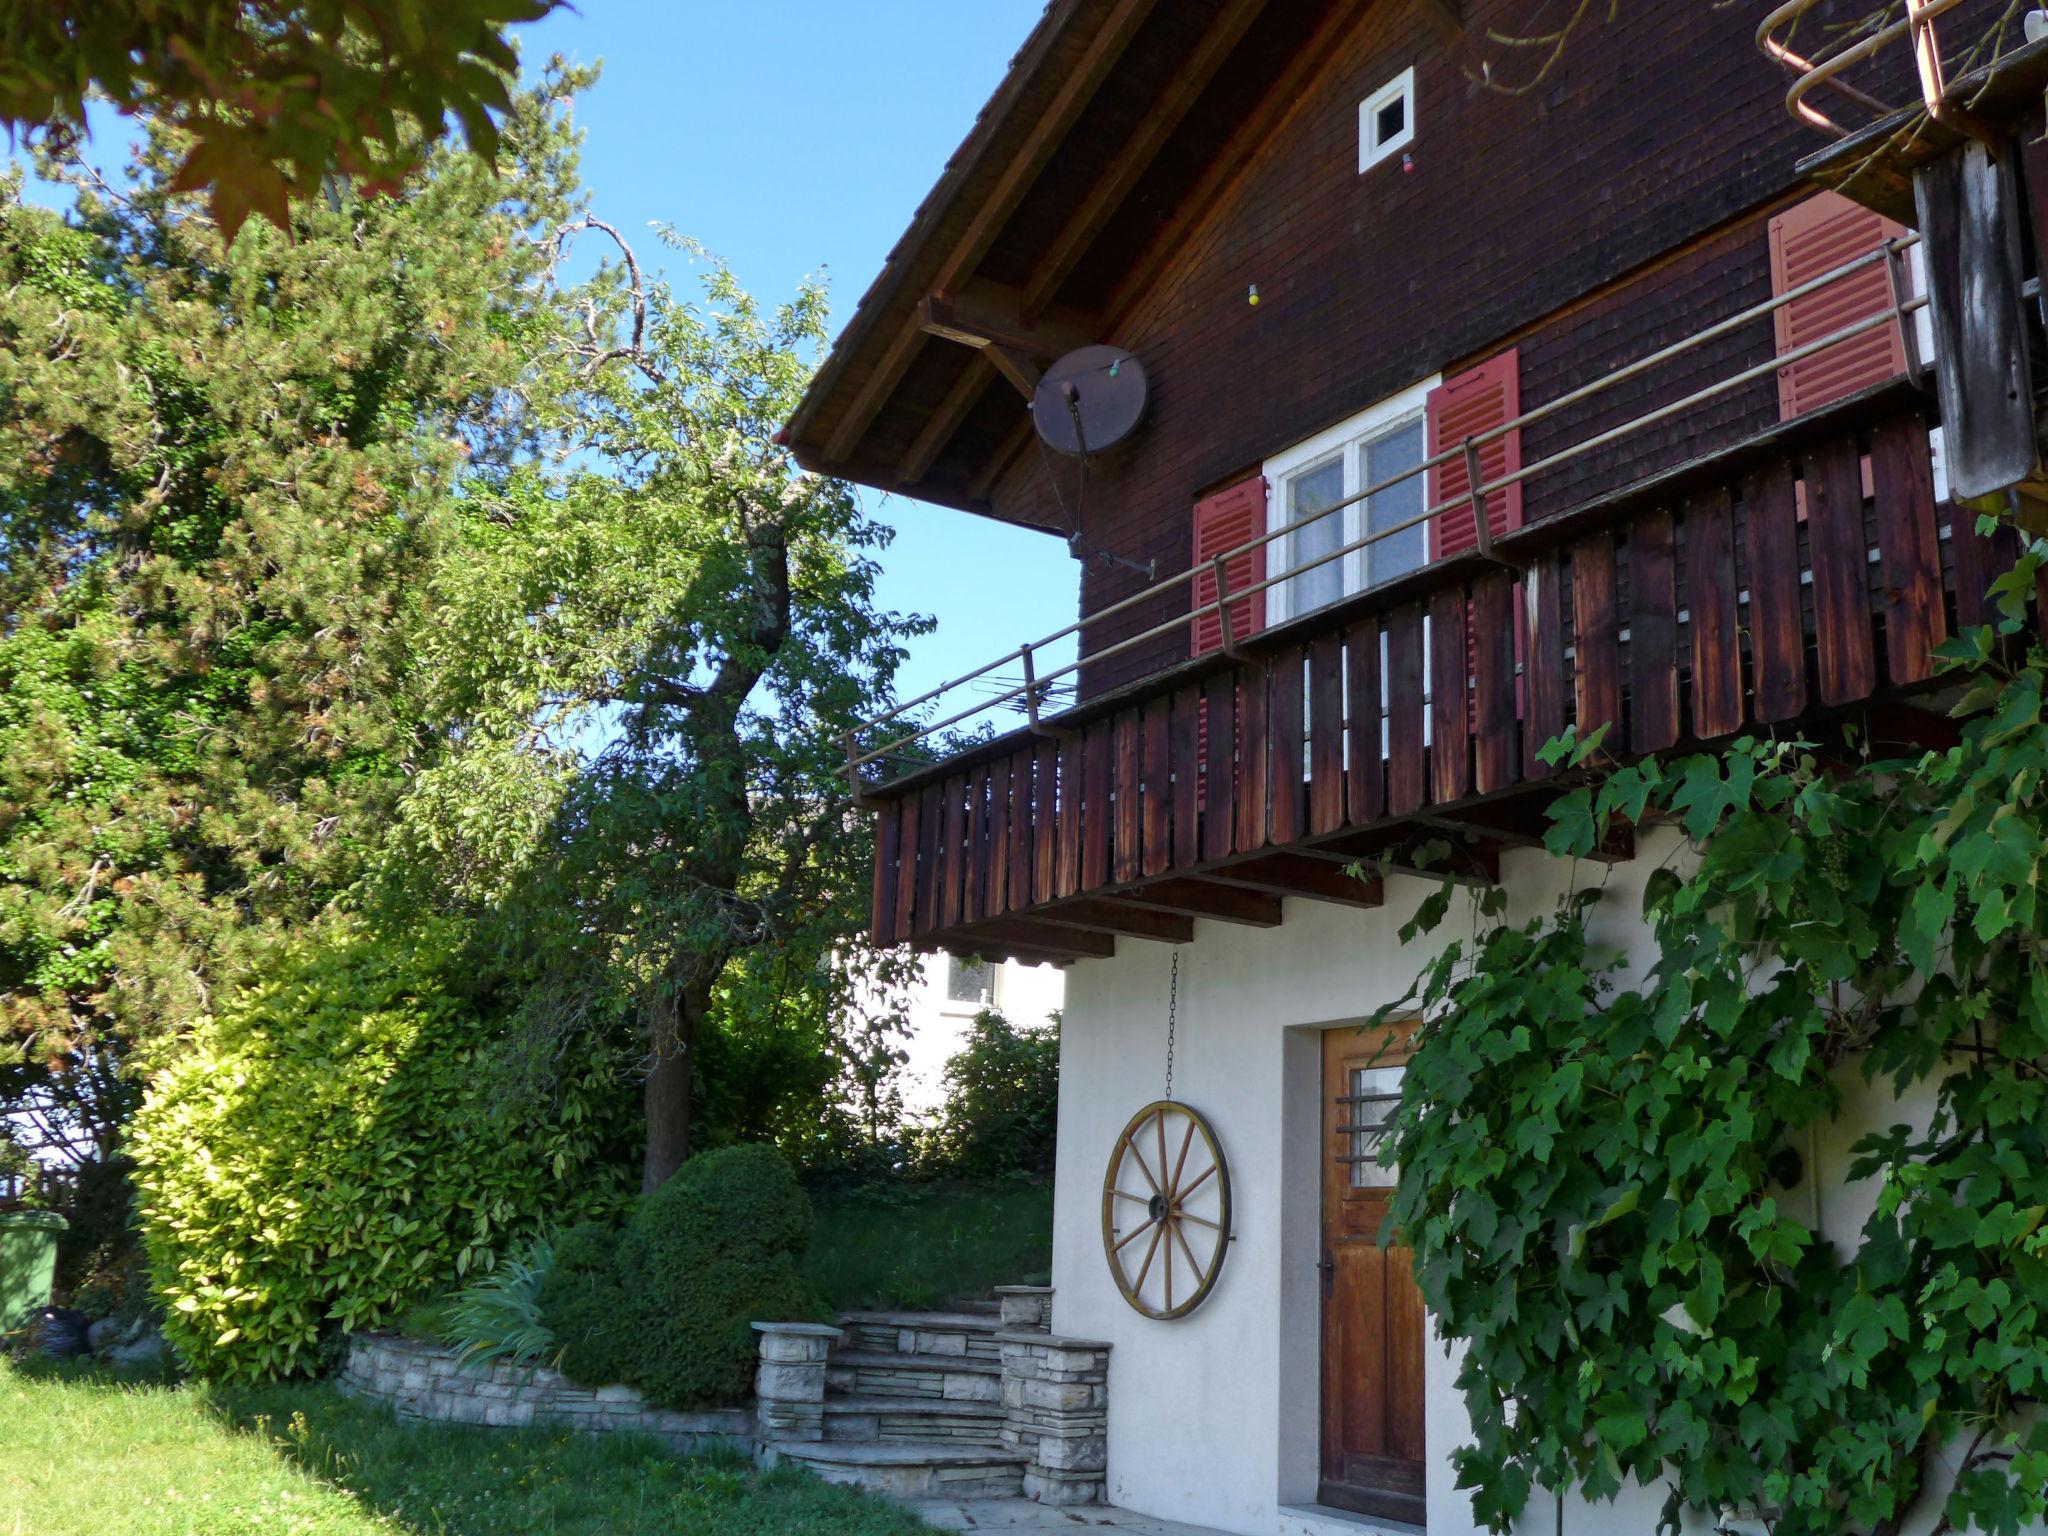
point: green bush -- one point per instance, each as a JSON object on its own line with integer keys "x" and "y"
{"x": 327, "y": 1151}
{"x": 583, "y": 1304}
{"x": 713, "y": 1251}
{"x": 1002, "y": 1102}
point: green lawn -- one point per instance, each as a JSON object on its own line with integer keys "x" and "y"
{"x": 924, "y": 1245}
{"x": 87, "y": 1455}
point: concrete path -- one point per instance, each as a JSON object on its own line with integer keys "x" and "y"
{"x": 1021, "y": 1517}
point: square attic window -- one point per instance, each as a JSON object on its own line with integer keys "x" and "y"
{"x": 1386, "y": 120}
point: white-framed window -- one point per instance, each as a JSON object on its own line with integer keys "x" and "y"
{"x": 970, "y": 984}
{"x": 1335, "y": 467}
{"x": 1386, "y": 120}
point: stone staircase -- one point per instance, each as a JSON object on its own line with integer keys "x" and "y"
{"x": 913, "y": 1406}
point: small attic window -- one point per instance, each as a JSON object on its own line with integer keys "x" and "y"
{"x": 1386, "y": 120}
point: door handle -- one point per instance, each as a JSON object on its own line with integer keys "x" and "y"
{"x": 1328, "y": 1270}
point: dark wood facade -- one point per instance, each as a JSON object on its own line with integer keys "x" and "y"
{"x": 1804, "y": 575}
{"x": 1142, "y": 169}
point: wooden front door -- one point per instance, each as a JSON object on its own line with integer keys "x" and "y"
{"x": 1372, "y": 1311}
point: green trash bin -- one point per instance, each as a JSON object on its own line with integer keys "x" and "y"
{"x": 28, "y": 1264}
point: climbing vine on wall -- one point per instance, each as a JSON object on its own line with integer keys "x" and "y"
{"x": 1604, "y": 1177}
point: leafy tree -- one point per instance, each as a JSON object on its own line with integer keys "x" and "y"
{"x": 1002, "y": 1100}
{"x": 1601, "y": 1178}
{"x": 655, "y": 632}
{"x": 225, "y": 476}
{"x": 269, "y": 96}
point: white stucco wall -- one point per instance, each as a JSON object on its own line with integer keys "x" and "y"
{"x": 1214, "y": 1418}
{"x": 1026, "y": 995}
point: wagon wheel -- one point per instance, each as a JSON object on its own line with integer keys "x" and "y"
{"x": 1166, "y": 1210}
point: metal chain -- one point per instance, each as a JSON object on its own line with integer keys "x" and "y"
{"x": 1172, "y": 1007}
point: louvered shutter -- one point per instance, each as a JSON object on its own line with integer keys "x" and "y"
{"x": 1231, "y": 517}
{"x": 1473, "y": 402}
{"x": 1806, "y": 241}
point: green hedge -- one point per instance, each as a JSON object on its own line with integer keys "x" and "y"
{"x": 669, "y": 1305}
{"x": 327, "y": 1151}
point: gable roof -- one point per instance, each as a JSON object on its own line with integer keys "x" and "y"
{"x": 1118, "y": 123}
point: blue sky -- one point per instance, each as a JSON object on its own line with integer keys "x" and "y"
{"x": 798, "y": 136}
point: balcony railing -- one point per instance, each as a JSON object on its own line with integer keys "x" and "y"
{"x": 1804, "y": 571}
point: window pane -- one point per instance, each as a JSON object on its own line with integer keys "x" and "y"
{"x": 1400, "y": 449}
{"x": 1307, "y": 494}
{"x": 1374, "y": 1091}
{"x": 968, "y": 981}
{"x": 1392, "y": 118}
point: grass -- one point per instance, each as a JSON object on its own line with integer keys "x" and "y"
{"x": 85, "y": 1454}
{"x": 918, "y": 1246}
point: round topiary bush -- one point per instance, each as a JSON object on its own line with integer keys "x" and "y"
{"x": 329, "y": 1150}
{"x": 668, "y": 1305}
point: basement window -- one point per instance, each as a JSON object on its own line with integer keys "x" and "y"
{"x": 1386, "y": 120}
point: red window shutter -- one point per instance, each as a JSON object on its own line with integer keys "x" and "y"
{"x": 1231, "y": 517}
{"x": 1807, "y": 240}
{"x": 1475, "y": 401}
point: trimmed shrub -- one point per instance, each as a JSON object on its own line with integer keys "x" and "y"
{"x": 583, "y": 1304}
{"x": 327, "y": 1151}
{"x": 716, "y": 1249}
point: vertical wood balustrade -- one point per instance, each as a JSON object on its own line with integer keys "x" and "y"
{"x": 1796, "y": 585}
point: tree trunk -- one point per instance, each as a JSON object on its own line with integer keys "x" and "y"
{"x": 667, "y": 1094}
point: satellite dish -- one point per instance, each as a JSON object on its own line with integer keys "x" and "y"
{"x": 1089, "y": 400}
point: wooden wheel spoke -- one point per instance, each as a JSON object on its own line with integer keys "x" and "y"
{"x": 1201, "y": 1221}
{"x": 1187, "y": 1140}
{"x": 1139, "y": 1158}
{"x": 1144, "y": 1269}
{"x": 1182, "y": 1238}
{"x": 1135, "y": 1234}
{"x": 1125, "y": 1194}
{"x": 1200, "y": 1181}
{"x": 1169, "y": 1271}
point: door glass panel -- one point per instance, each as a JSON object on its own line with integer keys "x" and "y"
{"x": 1310, "y": 492}
{"x": 1398, "y": 450}
{"x": 1373, "y": 1093}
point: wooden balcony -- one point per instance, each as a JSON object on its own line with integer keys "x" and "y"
{"x": 1798, "y": 579}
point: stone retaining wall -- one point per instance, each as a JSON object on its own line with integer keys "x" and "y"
{"x": 423, "y": 1381}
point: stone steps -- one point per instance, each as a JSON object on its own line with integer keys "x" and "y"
{"x": 913, "y": 1419}
{"x": 941, "y": 1335}
{"x": 891, "y": 1373}
{"x": 910, "y": 1470}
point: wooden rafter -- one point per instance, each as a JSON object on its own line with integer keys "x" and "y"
{"x": 1014, "y": 442}
{"x": 1287, "y": 94}
{"x": 1292, "y": 874}
{"x": 1121, "y": 918}
{"x": 1219, "y": 39}
{"x": 941, "y": 425}
{"x": 1205, "y": 898}
{"x": 993, "y": 212}
{"x": 1030, "y": 933}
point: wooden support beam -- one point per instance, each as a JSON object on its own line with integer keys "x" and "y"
{"x": 1030, "y": 933}
{"x": 943, "y": 423}
{"x": 1294, "y": 874}
{"x": 1022, "y": 373}
{"x": 1076, "y": 90}
{"x": 1114, "y": 186}
{"x": 1121, "y": 918}
{"x": 1288, "y": 93}
{"x": 986, "y": 314}
{"x": 1204, "y": 898}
